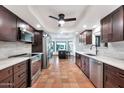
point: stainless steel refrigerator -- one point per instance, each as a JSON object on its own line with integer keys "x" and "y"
{"x": 45, "y": 51}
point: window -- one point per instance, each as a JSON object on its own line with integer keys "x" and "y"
{"x": 60, "y": 45}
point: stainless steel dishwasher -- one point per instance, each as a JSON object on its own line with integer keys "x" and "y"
{"x": 96, "y": 73}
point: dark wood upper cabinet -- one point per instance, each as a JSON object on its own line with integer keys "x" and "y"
{"x": 118, "y": 24}
{"x": 7, "y": 25}
{"x": 112, "y": 26}
{"x": 106, "y": 29}
{"x": 87, "y": 36}
{"x": 37, "y": 45}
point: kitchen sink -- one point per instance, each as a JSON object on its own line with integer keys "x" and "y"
{"x": 91, "y": 54}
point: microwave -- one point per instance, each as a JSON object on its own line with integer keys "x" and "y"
{"x": 25, "y": 35}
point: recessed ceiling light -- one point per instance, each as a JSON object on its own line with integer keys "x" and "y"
{"x": 38, "y": 26}
{"x": 84, "y": 26}
{"x": 23, "y": 26}
{"x": 77, "y": 32}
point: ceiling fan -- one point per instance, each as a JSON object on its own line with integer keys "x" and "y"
{"x": 62, "y": 20}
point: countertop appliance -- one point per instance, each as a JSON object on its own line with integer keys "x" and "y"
{"x": 96, "y": 73}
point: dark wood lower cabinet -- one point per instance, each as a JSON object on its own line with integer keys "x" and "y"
{"x": 113, "y": 77}
{"x": 78, "y": 60}
{"x": 7, "y": 83}
{"x": 15, "y": 76}
{"x": 6, "y": 78}
{"x": 83, "y": 63}
{"x": 86, "y": 67}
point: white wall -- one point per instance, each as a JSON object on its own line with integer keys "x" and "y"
{"x": 13, "y": 48}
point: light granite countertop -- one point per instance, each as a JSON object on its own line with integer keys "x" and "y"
{"x": 110, "y": 61}
{"x": 4, "y": 63}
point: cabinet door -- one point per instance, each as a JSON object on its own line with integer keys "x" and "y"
{"x": 7, "y": 83}
{"x": 83, "y": 63}
{"x": 37, "y": 44}
{"x": 117, "y": 26}
{"x": 106, "y": 29}
{"x": 20, "y": 74}
{"x": 8, "y": 30}
{"x": 78, "y": 60}
{"x": 113, "y": 77}
{"x": 86, "y": 71}
{"x": 109, "y": 81}
{"x": 89, "y": 37}
{"x": 36, "y": 66}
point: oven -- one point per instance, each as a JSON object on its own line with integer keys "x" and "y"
{"x": 35, "y": 67}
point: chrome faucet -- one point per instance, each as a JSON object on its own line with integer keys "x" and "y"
{"x": 95, "y": 47}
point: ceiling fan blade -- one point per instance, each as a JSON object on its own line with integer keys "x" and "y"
{"x": 70, "y": 19}
{"x": 53, "y": 17}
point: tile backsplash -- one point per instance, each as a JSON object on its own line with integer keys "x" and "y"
{"x": 13, "y": 48}
{"x": 114, "y": 49}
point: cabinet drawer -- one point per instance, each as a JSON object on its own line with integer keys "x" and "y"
{"x": 112, "y": 81}
{"x": 113, "y": 77}
{"x": 20, "y": 76}
{"x": 5, "y": 73}
{"x": 7, "y": 83}
{"x": 36, "y": 66}
{"x": 22, "y": 84}
{"x": 19, "y": 66}
{"x": 114, "y": 71}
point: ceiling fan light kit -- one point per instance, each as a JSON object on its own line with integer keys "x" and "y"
{"x": 61, "y": 20}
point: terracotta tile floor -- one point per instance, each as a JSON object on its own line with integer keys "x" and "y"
{"x": 62, "y": 74}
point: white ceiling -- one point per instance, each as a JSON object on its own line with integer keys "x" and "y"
{"x": 85, "y": 14}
